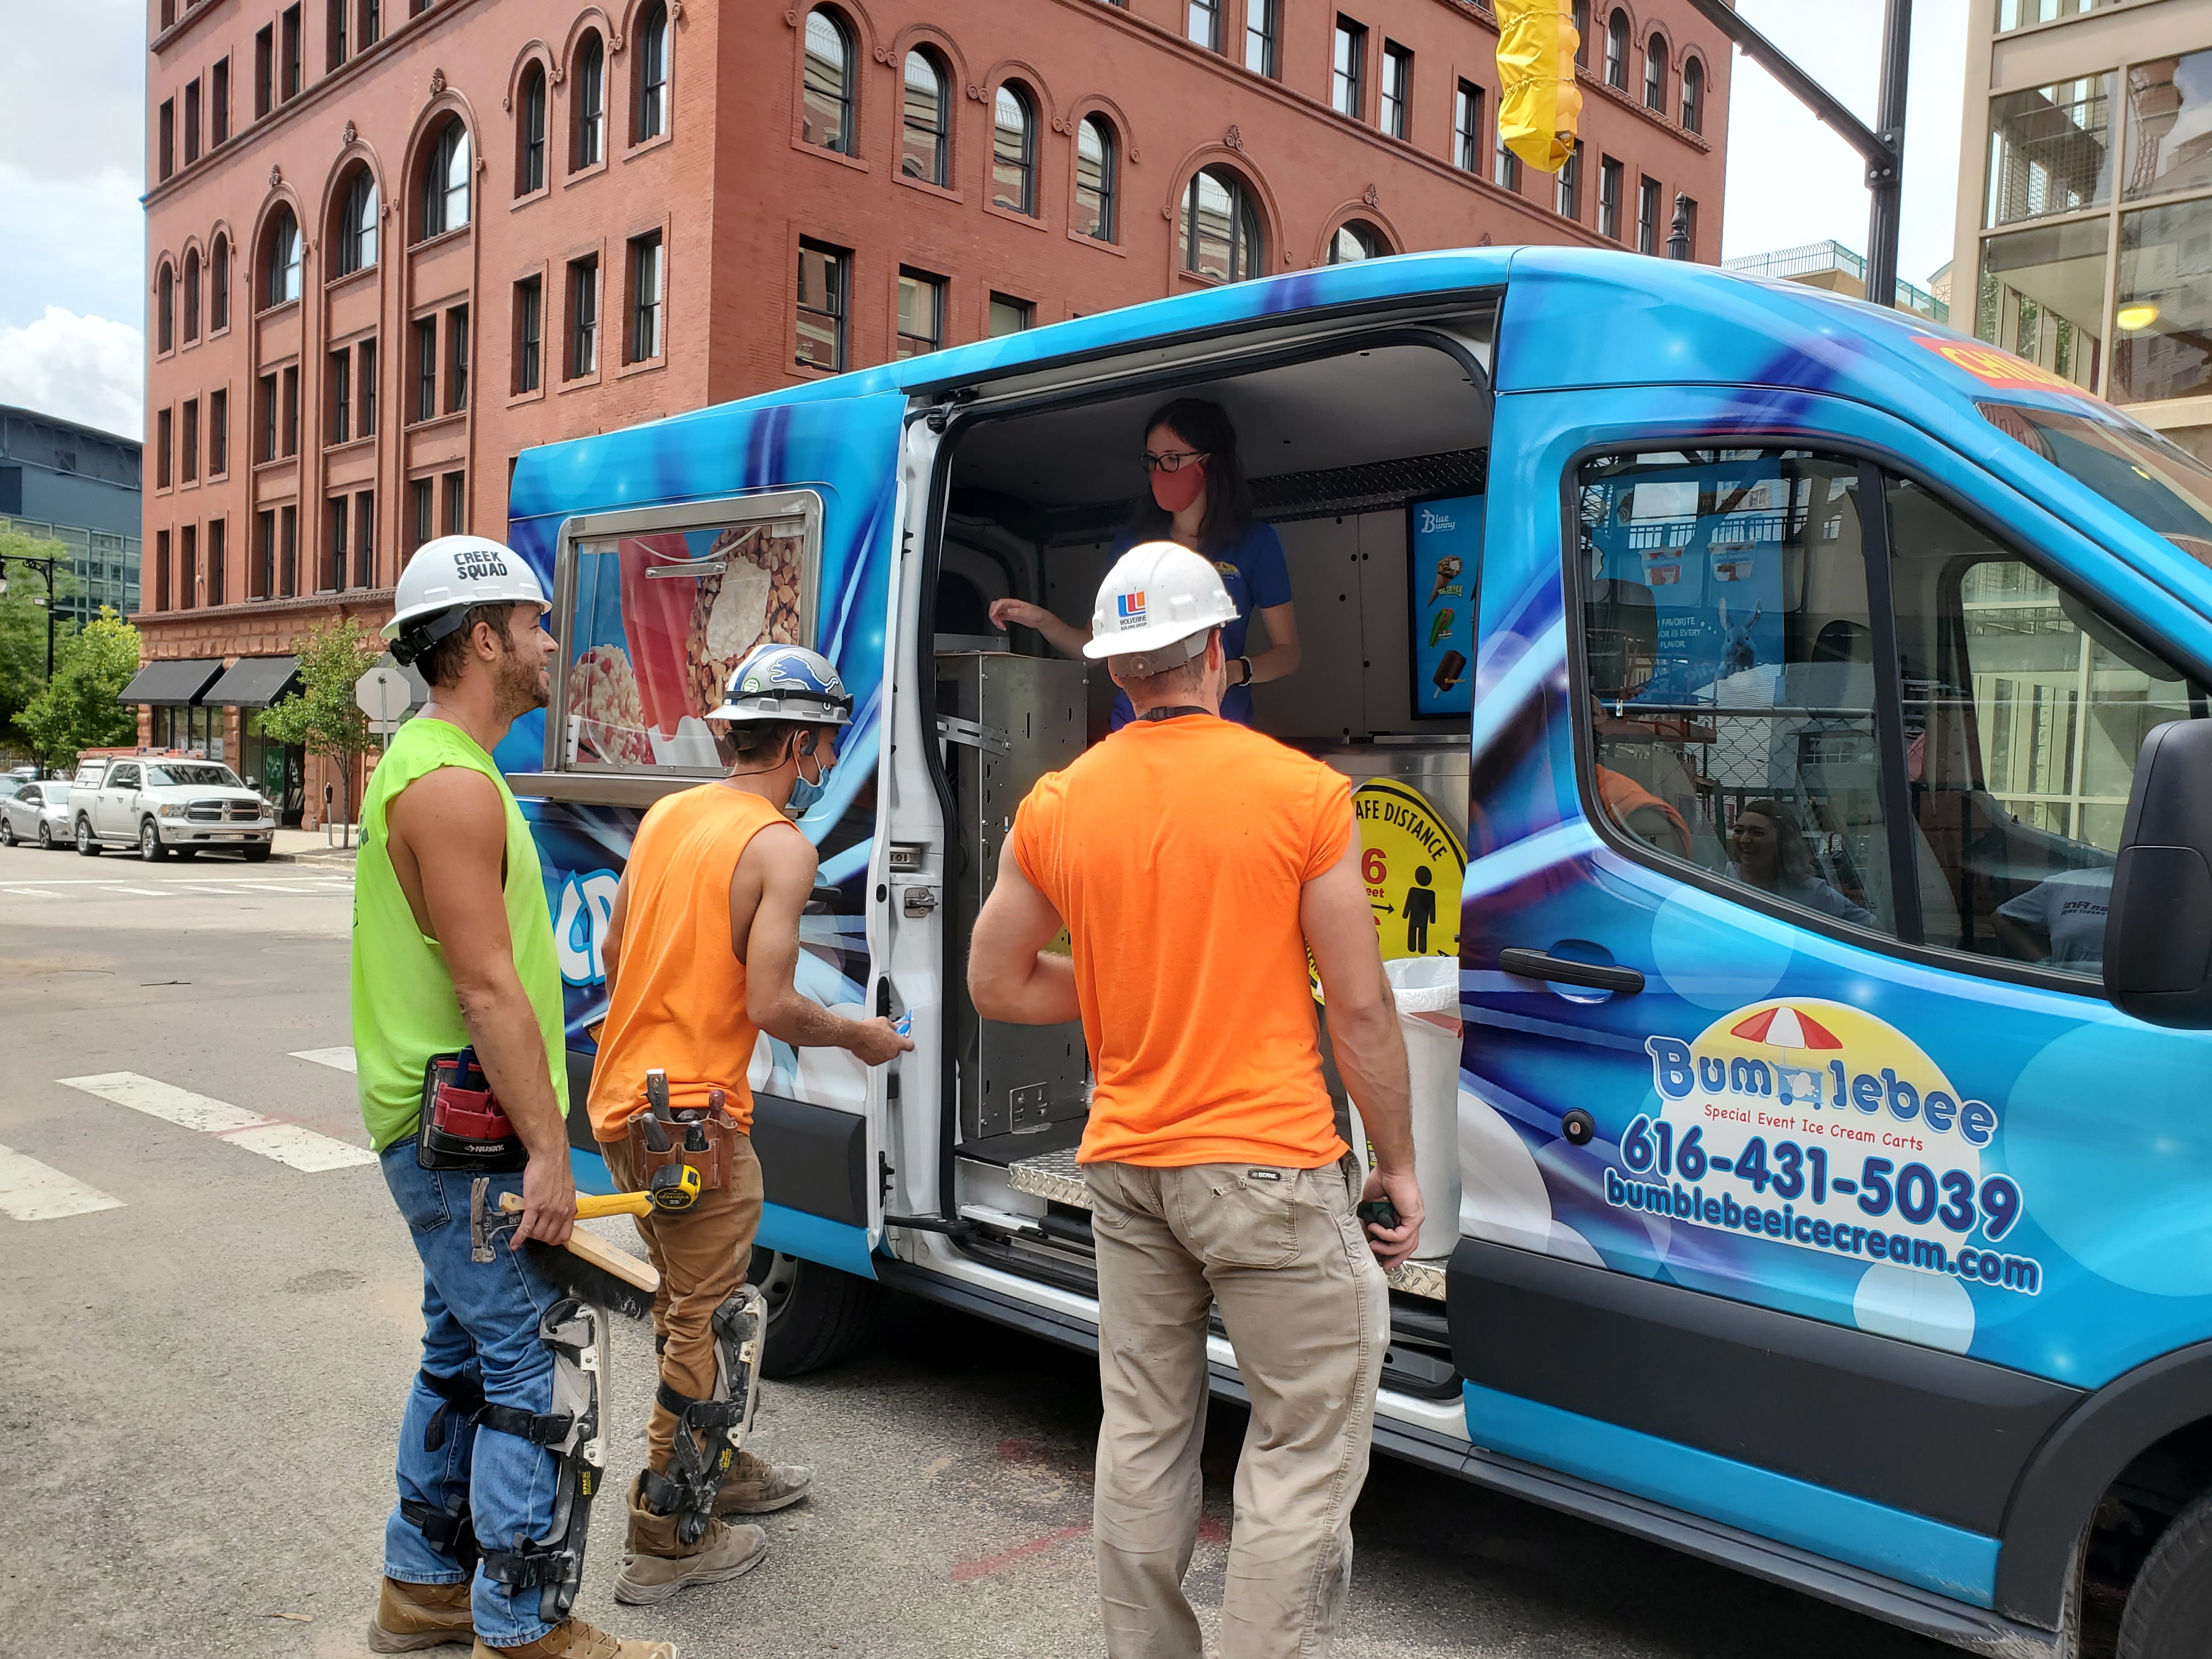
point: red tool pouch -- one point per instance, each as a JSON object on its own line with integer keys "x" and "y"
{"x": 463, "y": 1126}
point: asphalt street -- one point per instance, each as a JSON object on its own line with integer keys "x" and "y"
{"x": 211, "y": 1318}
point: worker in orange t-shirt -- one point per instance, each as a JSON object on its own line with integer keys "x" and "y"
{"x": 1194, "y": 862}
{"x": 701, "y": 947}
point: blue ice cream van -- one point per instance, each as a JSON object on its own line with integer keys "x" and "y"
{"x": 1808, "y": 704}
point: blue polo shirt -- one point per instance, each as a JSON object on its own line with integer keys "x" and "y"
{"x": 1253, "y": 571}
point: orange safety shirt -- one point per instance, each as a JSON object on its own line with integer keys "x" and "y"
{"x": 1176, "y": 851}
{"x": 680, "y": 991}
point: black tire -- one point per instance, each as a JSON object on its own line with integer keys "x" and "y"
{"x": 45, "y": 837}
{"x": 2169, "y": 1610}
{"x": 150, "y": 842}
{"x": 7, "y": 831}
{"x": 817, "y": 1315}
{"x": 86, "y": 846}
{"x": 257, "y": 852}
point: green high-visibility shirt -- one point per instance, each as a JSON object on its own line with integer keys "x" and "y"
{"x": 404, "y": 1009}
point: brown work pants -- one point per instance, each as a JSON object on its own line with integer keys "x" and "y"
{"x": 1308, "y": 1312}
{"x": 702, "y": 1255}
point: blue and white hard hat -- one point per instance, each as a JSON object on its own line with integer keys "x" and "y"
{"x": 786, "y": 682}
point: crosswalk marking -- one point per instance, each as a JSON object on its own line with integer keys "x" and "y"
{"x": 31, "y": 1191}
{"x": 288, "y": 1143}
{"x": 29, "y": 892}
{"x": 338, "y": 1060}
{"x": 143, "y": 892}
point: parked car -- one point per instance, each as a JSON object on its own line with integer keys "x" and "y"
{"x": 36, "y": 812}
{"x": 9, "y": 785}
{"x": 162, "y": 806}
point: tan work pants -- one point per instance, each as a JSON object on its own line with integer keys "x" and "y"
{"x": 1308, "y": 1312}
{"x": 702, "y": 1255}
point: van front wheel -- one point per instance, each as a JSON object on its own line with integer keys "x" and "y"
{"x": 2169, "y": 1610}
{"x": 817, "y": 1315}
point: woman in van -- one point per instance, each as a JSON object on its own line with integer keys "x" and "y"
{"x": 1200, "y": 498}
{"x": 1772, "y": 855}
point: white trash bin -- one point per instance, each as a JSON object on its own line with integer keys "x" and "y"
{"x": 1426, "y": 989}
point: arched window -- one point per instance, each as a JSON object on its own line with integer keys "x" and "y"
{"x": 529, "y": 133}
{"x": 590, "y": 146}
{"x": 1654, "y": 74}
{"x": 651, "y": 35}
{"x": 925, "y": 121}
{"x": 1221, "y": 228}
{"x": 1094, "y": 163}
{"x": 446, "y": 180}
{"x": 1694, "y": 94}
{"x": 1013, "y": 152}
{"x": 356, "y": 227}
{"x": 219, "y": 285}
{"x": 828, "y": 120}
{"x": 164, "y": 308}
{"x": 1357, "y": 240}
{"x": 1616, "y": 50}
{"x": 282, "y": 284}
{"x": 192, "y": 294}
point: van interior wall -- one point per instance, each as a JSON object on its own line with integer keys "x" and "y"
{"x": 1038, "y": 502}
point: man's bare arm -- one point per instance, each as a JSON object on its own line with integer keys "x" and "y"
{"x": 1011, "y": 975}
{"x": 611, "y": 946}
{"x": 1371, "y": 1050}
{"x": 450, "y": 827}
{"x": 780, "y": 867}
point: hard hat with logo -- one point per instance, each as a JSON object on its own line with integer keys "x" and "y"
{"x": 786, "y": 682}
{"x": 1156, "y": 607}
{"x": 447, "y": 576}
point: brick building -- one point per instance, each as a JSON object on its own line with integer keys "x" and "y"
{"x": 392, "y": 243}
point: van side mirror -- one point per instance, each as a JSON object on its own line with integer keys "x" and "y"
{"x": 2158, "y": 934}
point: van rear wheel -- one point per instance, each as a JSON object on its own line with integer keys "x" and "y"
{"x": 817, "y": 1315}
{"x": 2169, "y": 1609}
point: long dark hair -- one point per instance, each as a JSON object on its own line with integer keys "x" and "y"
{"x": 1204, "y": 426}
{"x": 1793, "y": 855}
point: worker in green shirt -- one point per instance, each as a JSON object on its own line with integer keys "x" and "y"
{"x": 457, "y": 1005}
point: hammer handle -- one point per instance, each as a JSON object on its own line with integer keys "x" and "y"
{"x": 590, "y": 1205}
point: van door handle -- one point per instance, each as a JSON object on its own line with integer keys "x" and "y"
{"x": 1542, "y": 964}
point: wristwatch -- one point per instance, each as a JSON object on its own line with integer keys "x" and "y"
{"x": 1246, "y": 661}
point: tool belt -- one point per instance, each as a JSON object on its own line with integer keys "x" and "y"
{"x": 463, "y": 1126}
{"x": 702, "y": 1136}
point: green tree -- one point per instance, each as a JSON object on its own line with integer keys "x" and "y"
{"x": 23, "y": 626}
{"x": 323, "y": 717}
{"x": 83, "y": 708}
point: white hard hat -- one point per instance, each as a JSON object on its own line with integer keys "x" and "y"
{"x": 444, "y": 578}
{"x": 786, "y": 682}
{"x": 1158, "y": 602}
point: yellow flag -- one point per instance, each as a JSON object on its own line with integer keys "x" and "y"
{"x": 1541, "y": 104}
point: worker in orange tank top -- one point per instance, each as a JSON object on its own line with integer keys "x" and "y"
{"x": 1194, "y": 862}
{"x": 701, "y": 948}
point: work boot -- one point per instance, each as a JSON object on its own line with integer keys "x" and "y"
{"x": 756, "y": 1486}
{"x": 572, "y": 1638}
{"x": 656, "y": 1563}
{"x": 412, "y": 1616}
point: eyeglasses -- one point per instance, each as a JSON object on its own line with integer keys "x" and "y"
{"x": 1173, "y": 461}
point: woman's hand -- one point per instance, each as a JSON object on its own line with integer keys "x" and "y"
{"x": 1006, "y": 613}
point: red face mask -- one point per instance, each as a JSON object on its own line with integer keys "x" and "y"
{"x": 1176, "y": 490}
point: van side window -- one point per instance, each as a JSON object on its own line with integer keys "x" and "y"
{"x": 2024, "y": 712}
{"x": 1729, "y": 673}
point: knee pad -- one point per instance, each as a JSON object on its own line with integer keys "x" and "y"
{"x": 577, "y": 1332}
{"x": 709, "y": 1432}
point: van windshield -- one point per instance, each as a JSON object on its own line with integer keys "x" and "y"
{"x": 192, "y": 777}
{"x": 2150, "y": 478}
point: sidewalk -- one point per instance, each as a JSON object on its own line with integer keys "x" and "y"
{"x": 311, "y": 847}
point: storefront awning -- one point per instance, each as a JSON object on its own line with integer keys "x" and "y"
{"x": 252, "y": 683}
{"x": 172, "y": 682}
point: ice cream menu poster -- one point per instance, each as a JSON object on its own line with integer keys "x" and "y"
{"x": 660, "y": 621}
{"x": 1445, "y": 539}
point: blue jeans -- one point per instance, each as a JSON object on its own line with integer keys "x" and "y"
{"x": 480, "y": 1321}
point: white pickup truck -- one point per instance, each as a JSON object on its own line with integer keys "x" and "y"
{"x": 161, "y": 806}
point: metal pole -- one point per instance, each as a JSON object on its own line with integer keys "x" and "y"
{"x": 49, "y": 622}
{"x": 1885, "y": 175}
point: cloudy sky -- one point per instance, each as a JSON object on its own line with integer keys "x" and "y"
{"x": 72, "y": 165}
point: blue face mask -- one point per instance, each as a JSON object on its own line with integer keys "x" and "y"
{"x": 804, "y": 795}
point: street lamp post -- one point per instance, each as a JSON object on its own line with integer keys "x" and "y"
{"x": 46, "y": 568}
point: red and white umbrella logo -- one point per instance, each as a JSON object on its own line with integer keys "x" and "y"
{"x": 1785, "y": 1028}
